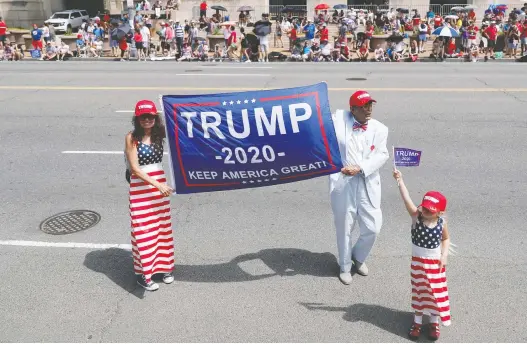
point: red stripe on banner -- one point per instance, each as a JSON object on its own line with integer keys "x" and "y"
{"x": 290, "y": 96}
{"x": 149, "y": 206}
{"x": 304, "y": 175}
{"x": 321, "y": 123}
{"x": 324, "y": 137}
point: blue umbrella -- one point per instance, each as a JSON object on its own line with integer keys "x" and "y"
{"x": 340, "y": 7}
{"x": 445, "y": 31}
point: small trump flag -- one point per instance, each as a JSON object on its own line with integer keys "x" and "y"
{"x": 406, "y": 157}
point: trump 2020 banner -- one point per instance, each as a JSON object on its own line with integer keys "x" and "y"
{"x": 250, "y": 139}
{"x": 406, "y": 157}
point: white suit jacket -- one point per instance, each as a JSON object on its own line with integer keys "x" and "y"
{"x": 373, "y": 159}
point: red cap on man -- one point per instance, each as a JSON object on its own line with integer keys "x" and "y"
{"x": 145, "y": 107}
{"x": 361, "y": 98}
{"x": 434, "y": 201}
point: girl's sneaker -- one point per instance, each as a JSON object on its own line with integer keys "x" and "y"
{"x": 433, "y": 331}
{"x": 415, "y": 331}
{"x": 150, "y": 286}
{"x": 168, "y": 278}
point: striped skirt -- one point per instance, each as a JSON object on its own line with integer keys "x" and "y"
{"x": 152, "y": 240}
{"x": 429, "y": 288}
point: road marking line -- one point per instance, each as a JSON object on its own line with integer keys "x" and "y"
{"x": 96, "y": 152}
{"x": 62, "y": 244}
{"x": 125, "y": 111}
{"x": 169, "y": 88}
{"x": 232, "y": 67}
{"x": 92, "y": 152}
{"x": 217, "y": 74}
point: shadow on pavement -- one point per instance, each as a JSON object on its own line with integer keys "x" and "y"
{"x": 388, "y": 319}
{"x": 117, "y": 265}
{"x": 281, "y": 262}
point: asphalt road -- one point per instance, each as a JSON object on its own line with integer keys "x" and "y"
{"x": 258, "y": 265}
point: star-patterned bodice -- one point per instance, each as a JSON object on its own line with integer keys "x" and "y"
{"x": 149, "y": 154}
{"x": 425, "y": 237}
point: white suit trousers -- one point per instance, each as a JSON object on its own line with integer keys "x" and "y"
{"x": 350, "y": 204}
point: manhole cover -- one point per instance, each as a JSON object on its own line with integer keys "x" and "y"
{"x": 193, "y": 70}
{"x": 70, "y": 222}
{"x": 356, "y": 79}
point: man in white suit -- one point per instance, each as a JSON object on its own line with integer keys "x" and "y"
{"x": 356, "y": 190}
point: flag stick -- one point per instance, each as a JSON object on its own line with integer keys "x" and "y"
{"x": 394, "y": 167}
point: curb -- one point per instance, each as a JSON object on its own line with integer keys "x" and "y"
{"x": 424, "y": 60}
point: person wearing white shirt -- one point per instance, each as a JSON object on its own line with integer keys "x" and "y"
{"x": 355, "y": 191}
{"x": 145, "y": 35}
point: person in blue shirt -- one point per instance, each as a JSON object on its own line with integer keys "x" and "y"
{"x": 36, "y": 36}
{"x": 306, "y": 52}
{"x": 98, "y": 32}
{"x": 309, "y": 30}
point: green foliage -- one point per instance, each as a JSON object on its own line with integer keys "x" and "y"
{"x": 378, "y": 30}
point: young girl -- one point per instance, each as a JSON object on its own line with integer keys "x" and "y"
{"x": 430, "y": 244}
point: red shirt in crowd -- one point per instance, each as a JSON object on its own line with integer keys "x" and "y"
{"x": 232, "y": 38}
{"x": 369, "y": 32}
{"x": 523, "y": 30}
{"x": 123, "y": 45}
{"x": 293, "y": 33}
{"x": 324, "y": 34}
{"x": 472, "y": 31}
{"x": 3, "y": 28}
{"x": 438, "y": 21}
{"x": 138, "y": 37}
{"x": 203, "y": 6}
{"x": 492, "y": 32}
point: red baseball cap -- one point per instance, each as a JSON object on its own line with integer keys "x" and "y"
{"x": 361, "y": 98}
{"x": 434, "y": 201}
{"x": 145, "y": 107}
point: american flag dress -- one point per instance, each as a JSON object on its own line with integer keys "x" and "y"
{"x": 152, "y": 239}
{"x": 429, "y": 285}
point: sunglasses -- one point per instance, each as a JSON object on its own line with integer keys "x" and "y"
{"x": 147, "y": 117}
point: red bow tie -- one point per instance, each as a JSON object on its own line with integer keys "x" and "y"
{"x": 357, "y": 126}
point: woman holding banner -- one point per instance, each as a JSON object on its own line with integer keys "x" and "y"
{"x": 356, "y": 191}
{"x": 152, "y": 240}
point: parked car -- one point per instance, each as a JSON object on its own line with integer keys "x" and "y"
{"x": 69, "y": 20}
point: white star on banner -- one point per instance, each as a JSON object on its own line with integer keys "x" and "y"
{"x": 224, "y": 103}
{"x": 231, "y": 102}
{"x": 253, "y": 100}
{"x": 245, "y": 101}
{"x": 259, "y": 181}
{"x": 275, "y": 178}
{"x": 251, "y": 181}
{"x": 244, "y": 182}
{"x": 238, "y": 102}
{"x": 267, "y": 180}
